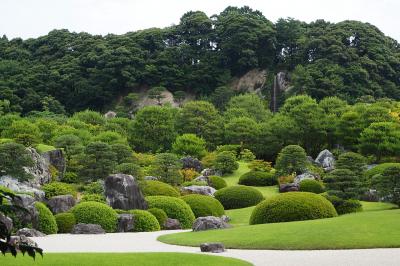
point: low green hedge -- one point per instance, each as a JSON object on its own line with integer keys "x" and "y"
{"x": 46, "y": 222}
{"x": 175, "y": 208}
{"x": 58, "y": 188}
{"x": 311, "y": 185}
{"x": 65, "y": 222}
{"x": 157, "y": 188}
{"x": 144, "y": 221}
{"x": 93, "y": 197}
{"x": 202, "y": 205}
{"x": 160, "y": 215}
{"x": 236, "y": 197}
{"x": 217, "y": 182}
{"x": 258, "y": 178}
{"x": 292, "y": 206}
{"x": 343, "y": 206}
{"x": 96, "y": 213}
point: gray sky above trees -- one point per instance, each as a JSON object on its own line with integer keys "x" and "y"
{"x": 33, "y": 18}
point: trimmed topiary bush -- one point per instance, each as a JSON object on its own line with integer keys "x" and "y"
{"x": 93, "y": 197}
{"x": 157, "y": 188}
{"x": 65, "y": 222}
{"x": 379, "y": 169}
{"x": 344, "y": 206}
{"x": 202, "y": 205}
{"x": 160, "y": 215}
{"x": 236, "y": 197}
{"x": 217, "y": 182}
{"x": 46, "y": 221}
{"x": 258, "y": 178}
{"x": 58, "y": 188}
{"x": 175, "y": 208}
{"x": 310, "y": 185}
{"x": 96, "y": 213}
{"x": 292, "y": 206}
{"x": 225, "y": 162}
{"x": 145, "y": 221}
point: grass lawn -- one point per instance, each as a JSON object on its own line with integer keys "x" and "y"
{"x": 119, "y": 259}
{"x": 233, "y": 178}
{"x": 368, "y": 229}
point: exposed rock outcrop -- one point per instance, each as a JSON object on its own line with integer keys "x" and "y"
{"x": 126, "y": 222}
{"x": 29, "y": 232}
{"x": 172, "y": 224}
{"x": 212, "y": 247}
{"x": 61, "y": 203}
{"x": 326, "y": 160}
{"x": 289, "y": 187}
{"x": 6, "y": 222}
{"x": 202, "y": 190}
{"x": 209, "y": 223}
{"x": 87, "y": 229}
{"x": 57, "y": 160}
{"x": 304, "y": 176}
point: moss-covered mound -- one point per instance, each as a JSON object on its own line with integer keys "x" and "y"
{"x": 91, "y": 212}
{"x": 236, "y": 197}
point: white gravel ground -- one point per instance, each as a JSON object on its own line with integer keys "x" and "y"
{"x": 147, "y": 242}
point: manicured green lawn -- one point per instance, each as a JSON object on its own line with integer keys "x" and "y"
{"x": 233, "y": 178}
{"x": 368, "y": 229}
{"x": 377, "y": 206}
{"x": 122, "y": 259}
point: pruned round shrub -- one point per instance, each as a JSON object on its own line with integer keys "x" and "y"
{"x": 160, "y": 215}
{"x": 343, "y": 206}
{"x": 46, "y": 222}
{"x": 65, "y": 222}
{"x": 58, "y": 188}
{"x": 175, "y": 208}
{"x": 217, "y": 182}
{"x": 292, "y": 206}
{"x": 158, "y": 188}
{"x": 225, "y": 162}
{"x": 236, "y": 197}
{"x": 258, "y": 178}
{"x": 93, "y": 197}
{"x": 144, "y": 221}
{"x": 379, "y": 169}
{"x": 311, "y": 185}
{"x": 202, "y": 205}
{"x": 96, "y": 213}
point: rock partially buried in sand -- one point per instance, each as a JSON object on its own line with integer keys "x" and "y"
{"x": 209, "y": 223}
{"x": 212, "y": 247}
{"x": 87, "y": 229}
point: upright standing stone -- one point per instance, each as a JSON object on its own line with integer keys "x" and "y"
{"x": 61, "y": 203}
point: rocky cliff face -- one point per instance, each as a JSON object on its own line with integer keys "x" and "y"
{"x": 280, "y": 85}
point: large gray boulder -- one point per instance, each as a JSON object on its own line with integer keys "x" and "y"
{"x": 31, "y": 215}
{"x": 126, "y": 222}
{"x": 57, "y": 160}
{"x": 17, "y": 240}
{"x": 22, "y": 187}
{"x": 202, "y": 190}
{"x": 212, "y": 247}
{"x": 61, "y": 203}
{"x": 172, "y": 224}
{"x": 304, "y": 176}
{"x": 289, "y": 187}
{"x": 326, "y": 160}
{"x": 202, "y": 178}
{"x": 6, "y": 222}
{"x": 208, "y": 172}
{"x": 123, "y": 192}
{"x": 29, "y": 232}
{"x": 40, "y": 169}
{"x": 209, "y": 223}
{"x": 87, "y": 229}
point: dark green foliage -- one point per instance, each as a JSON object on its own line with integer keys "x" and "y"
{"x": 352, "y": 161}
{"x": 194, "y": 183}
{"x": 189, "y": 145}
{"x": 310, "y": 185}
{"x": 46, "y": 222}
{"x": 175, "y": 208}
{"x": 96, "y": 213}
{"x": 166, "y": 166}
{"x": 202, "y": 205}
{"x": 379, "y": 169}
{"x": 258, "y": 178}
{"x": 344, "y": 206}
{"x": 58, "y": 188}
{"x": 217, "y": 182}
{"x": 388, "y": 184}
{"x": 236, "y": 197}
{"x": 70, "y": 177}
{"x": 160, "y": 215}
{"x": 93, "y": 197}
{"x": 292, "y": 206}
{"x": 65, "y": 222}
{"x": 291, "y": 159}
{"x": 13, "y": 157}
{"x": 225, "y": 162}
{"x": 129, "y": 169}
{"x": 94, "y": 188}
{"x": 145, "y": 221}
{"x": 343, "y": 183}
{"x": 157, "y": 188}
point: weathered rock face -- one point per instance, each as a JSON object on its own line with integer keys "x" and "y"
{"x": 253, "y": 81}
{"x": 225, "y": 218}
{"x": 61, "y": 203}
{"x": 57, "y": 160}
{"x": 304, "y": 176}
{"x": 191, "y": 162}
{"x": 202, "y": 178}
{"x": 326, "y": 160}
{"x": 7, "y": 222}
{"x": 21, "y": 187}
{"x": 16, "y": 240}
{"x": 208, "y": 172}
{"x": 40, "y": 169}
{"x": 212, "y": 247}
{"x": 151, "y": 178}
{"x": 126, "y": 222}
{"x": 29, "y": 232}
{"x": 289, "y": 187}
{"x": 123, "y": 192}
{"x": 209, "y": 223}
{"x": 280, "y": 85}
{"x": 203, "y": 190}
{"x": 110, "y": 114}
{"x": 87, "y": 229}
{"x": 29, "y": 217}
{"x": 172, "y": 224}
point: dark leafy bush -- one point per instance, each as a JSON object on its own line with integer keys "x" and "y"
{"x": 46, "y": 221}
{"x": 175, "y": 208}
{"x": 94, "y": 188}
{"x": 343, "y": 183}
{"x": 160, "y": 215}
{"x": 158, "y": 188}
{"x": 258, "y": 178}
{"x": 145, "y": 221}
{"x": 93, "y": 197}
{"x": 311, "y": 185}
{"x": 58, "y": 188}
{"x": 291, "y": 159}
{"x": 292, "y": 206}
{"x": 130, "y": 169}
{"x": 217, "y": 182}
{"x": 202, "y": 205}
{"x": 70, "y": 177}
{"x": 344, "y": 206}
{"x": 379, "y": 169}
{"x": 65, "y": 222}
{"x": 225, "y": 162}
{"x": 96, "y": 213}
{"x": 236, "y": 197}
{"x": 189, "y": 162}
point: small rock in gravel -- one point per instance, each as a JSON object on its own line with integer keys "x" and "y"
{"x": 87, "y": 229}
{"x": 172, "y": 224}
{"x": 212, "y": 247}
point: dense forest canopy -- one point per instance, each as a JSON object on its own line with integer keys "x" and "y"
{"x": 68, "y": 71}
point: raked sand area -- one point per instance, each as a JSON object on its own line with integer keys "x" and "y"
{"x": 147, "y": 242}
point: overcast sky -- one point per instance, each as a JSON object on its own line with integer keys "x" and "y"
{"x": 33, "y": 18}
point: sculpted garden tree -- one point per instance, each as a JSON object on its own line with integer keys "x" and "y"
{"x": 388, "y": 184}
{"x": 13, "y": 158}
{"x": 343, "y": 183}
{"x": 167, "y": 166}
{"x": 242, "y": 131}
{"x": 250, "y": 105}
{"x": 291, "y": 159}
{"x": 189, "y": 145}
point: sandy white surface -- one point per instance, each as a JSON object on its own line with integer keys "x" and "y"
{"x": 147, "y": 242}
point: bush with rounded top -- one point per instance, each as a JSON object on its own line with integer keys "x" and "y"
{"x": 158, "y": 188}
{"x": 344, "y": 206}
{"x": 311, "y": 185}
{"x": 217, "y": 182}
{"x": 236, "y": 197}
{"x": 92, "y": 212}
{"x": 160, "y": 215}
{"x": 46, "y": 222}
{"x": 58, "y": 188}
{"x": 93, "y": 197}
{"x": 65, "y": 222}
{"x": 292, "y": 206}
{"x": 202, "y": 205}
{"x": 291, "y": 159}
{"x": 175, "y": 208}
{"x": 225, "y": 162}
{"x": 144, "y": 221}
{"x": 258, "y": 178}
{"x": 379, "y": 169}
